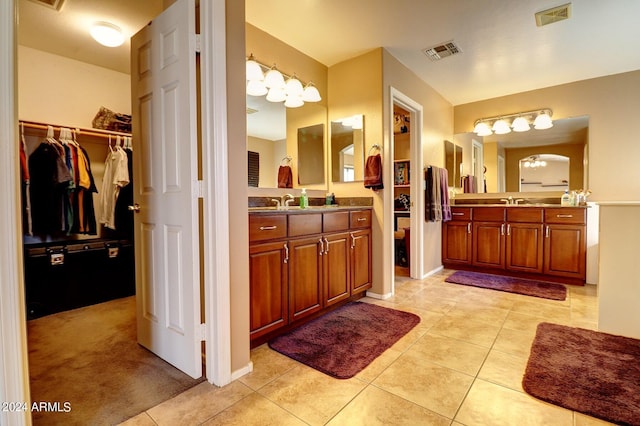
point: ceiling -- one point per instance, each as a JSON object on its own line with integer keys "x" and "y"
{"x": 503, "y": 51}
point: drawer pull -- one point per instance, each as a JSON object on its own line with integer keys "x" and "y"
{"x": 286, "y": 253}
{"x": 326, "y": 246}
{"x": 268, "y": 228}
{"x": 321, "y": 247}
{"x": 469, "y": 228}
{"x": 502, "y": 229}
{"x": 362, "y": 219}
{"x": 546, "y": 232}
{"x": 457, "y": 214}
{"x": 564, "y": 215}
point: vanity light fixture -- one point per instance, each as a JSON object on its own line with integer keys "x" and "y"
{"x": 107, "y": 34}
{"x": 272, "y": 83}
{"x": 541, "y": 119}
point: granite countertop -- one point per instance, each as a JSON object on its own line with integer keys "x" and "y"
{"x": 310, "y": 209}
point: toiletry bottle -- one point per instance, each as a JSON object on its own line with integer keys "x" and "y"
{"x": 566, "y": 199}
{"x": 328, "y": 199}
{"x": 304, "y": 199}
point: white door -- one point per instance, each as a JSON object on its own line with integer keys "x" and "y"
{"x": 166, "y": 225}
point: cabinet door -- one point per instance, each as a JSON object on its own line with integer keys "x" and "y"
{"x": 456, "y": 242}
{"x": 361, "y": 277}
{"x": 565, "y": 251}
{"x": 524, "y": 247}
{"x": 305, "y": 277}
{"x": 268, "y": 287}
{"x": 488, "y": 244}
{"x": 336, "y": 272}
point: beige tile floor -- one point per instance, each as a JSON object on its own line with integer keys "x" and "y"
{"x": 462, "y": 365}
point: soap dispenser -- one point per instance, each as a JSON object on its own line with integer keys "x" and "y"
{"x": 304, "y": 199}
{"x": 566, "y": 199}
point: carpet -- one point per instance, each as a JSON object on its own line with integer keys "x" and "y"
{"x": 89, "y": 358}
{"x": 343, "y": 342}
{"x": 524, "y": 286}
{"x": 595, "y": 373}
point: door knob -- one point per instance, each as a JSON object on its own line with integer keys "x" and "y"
{"x": 135, "y": 208}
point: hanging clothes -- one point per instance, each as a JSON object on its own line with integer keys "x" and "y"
{"x": 123, "y": 219}
{"x": 116, "y": 176}
{"x": 25, "y": 187}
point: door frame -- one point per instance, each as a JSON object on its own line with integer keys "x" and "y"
{"x": 417, "y": 201}
{"x": 13, "y": 336}
{"x": 14, "y": 359}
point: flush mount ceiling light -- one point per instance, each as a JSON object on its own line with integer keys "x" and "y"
{"x": 541, "y": 119}
{"x": 107, "y": 34}
{"x": 272, "y": 83}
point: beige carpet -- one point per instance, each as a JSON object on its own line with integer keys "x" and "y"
{"x": 89, "y": 358}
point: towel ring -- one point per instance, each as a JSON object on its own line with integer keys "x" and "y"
{"x": 374, "y": 146}
{"x": 285, "y": 160}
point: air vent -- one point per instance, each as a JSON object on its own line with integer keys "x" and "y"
{"x": 251, "y": 111}
{"x": 555, "y": 14}
{"x": 52, "y": 4}
{"x": 441, "y": 51}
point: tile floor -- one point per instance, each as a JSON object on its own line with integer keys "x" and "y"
{"x": 462, "y": 365}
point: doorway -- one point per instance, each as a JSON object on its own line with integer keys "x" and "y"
{"x": 406, "y": 228}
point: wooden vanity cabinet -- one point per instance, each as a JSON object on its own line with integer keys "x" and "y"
{"x": 527, "y": 241}
{"x": 524, "y": 243}
{"x": 456, "y": 240}
{"x": 565, "y": 242}
{"x": 488, "y": 237}
{"x": 320, "y": 259}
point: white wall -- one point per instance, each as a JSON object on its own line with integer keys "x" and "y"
{"x": 59, "y": 90}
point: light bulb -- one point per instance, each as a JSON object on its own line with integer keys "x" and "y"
{"x": 107, "y": 34}
{"x": 274, "y": 79}
{"x": 253, "y": 70}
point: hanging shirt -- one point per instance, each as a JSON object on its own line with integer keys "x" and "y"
{"x": 116, "y": 176}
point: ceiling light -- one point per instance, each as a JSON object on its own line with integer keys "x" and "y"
{"x": 541, "y": 119}
{"x": 293, "y": 93}
{"x": 520, "y": 124}
{"x": 107, "y": 34}
{"x": 254, "y": 71}
{"x": 501, "y": 127}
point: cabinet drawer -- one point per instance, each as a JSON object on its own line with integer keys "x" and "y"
{"x": 305, "y": 224}
{"x": 335, "y": 221}
{"x": 461, "y": 213}
{"x": 267, "y": 227}
{"x": 525, "y": 214}
{"x": 488, "y": 214}
{"x": 566, "y": 215}
{"x": 360, "y": 219}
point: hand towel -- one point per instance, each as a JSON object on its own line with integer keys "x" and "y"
{"x": 285, "y": 177}
{"x": 373, "y": 172}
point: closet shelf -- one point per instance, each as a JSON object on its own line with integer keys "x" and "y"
{"x": 80, "y": 131}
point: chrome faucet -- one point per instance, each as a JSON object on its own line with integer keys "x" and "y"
{"x": 516, "y": 202}
{"x": 275, "y": 200}
{"x": 508, "y": 201}
{"x": 286, "y": 200}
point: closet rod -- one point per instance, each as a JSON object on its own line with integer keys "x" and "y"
{"x": 93, "y": 132}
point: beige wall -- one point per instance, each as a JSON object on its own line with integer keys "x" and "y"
{"x": 612, "y": 103}
{"x": 237, "y": 151}
{"x": 58, "y": 90}
{"x": 437, "y": 126}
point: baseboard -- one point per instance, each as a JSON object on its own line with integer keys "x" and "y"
{"x": 235, "y": 375}
{"x": 379, "y": 296}
{"x": 433, "y": 272}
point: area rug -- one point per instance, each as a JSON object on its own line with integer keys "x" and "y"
{"x": 88, "y": 361}
{"x": 346, "y": 340}
{"x": 595, "y": 373}
{"x": 524, "y": 286}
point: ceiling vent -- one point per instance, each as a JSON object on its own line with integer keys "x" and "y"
{"x": 251, "y": 110}
{"x": 52, "y": 4}
{"x": 555, "y": 14}
{"x": 442, "y": 50}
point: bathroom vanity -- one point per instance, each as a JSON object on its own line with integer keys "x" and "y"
{"x": 545, "y": 242}
{"x": 303, "y": 262}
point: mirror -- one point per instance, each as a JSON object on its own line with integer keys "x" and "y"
{"x": 502, "y": 155}
{"x": 347, "y": 149}
{"x": 544, "y": 172}
{"x": 272, "y": 138}
{"x": 453, "y": 163}
{"x": 311, "y": 155}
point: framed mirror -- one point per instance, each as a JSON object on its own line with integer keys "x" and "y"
{"x": 311, "y": 155}
{"x": 347, "y": 149}
{"x": 453, "y": 162}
